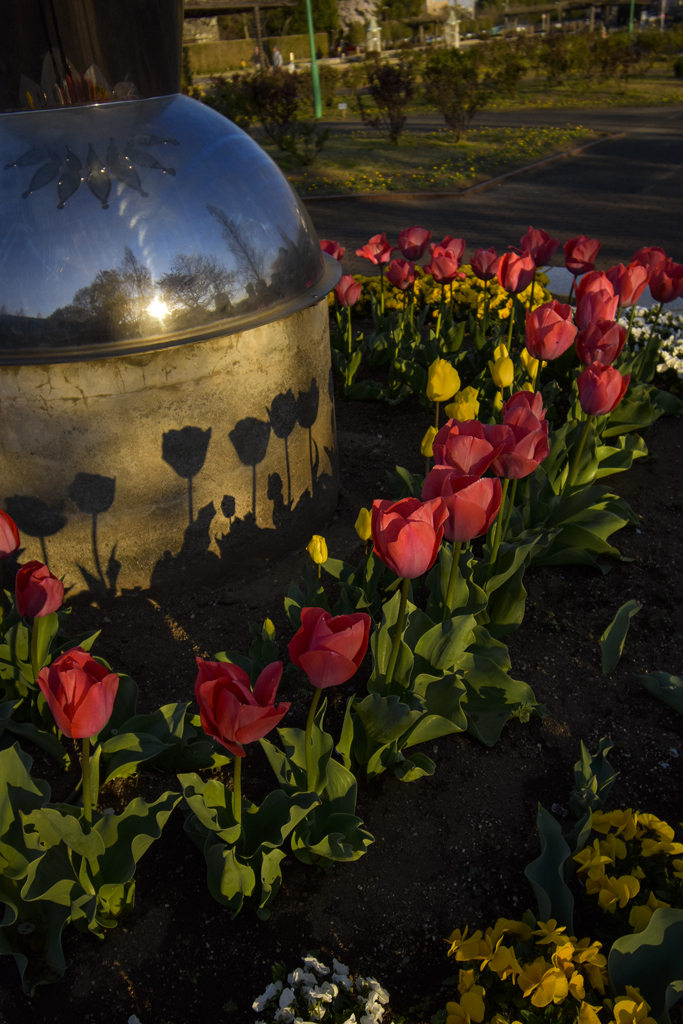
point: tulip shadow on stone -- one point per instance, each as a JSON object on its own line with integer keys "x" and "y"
{"x": 250, "y": 439}
{"x": 283, "y": 415}
{"x": 185, "y": 452}
{"x": 94, "y": 494}
{"x": 228, "y": 507}
{"x": 194, "y": 562}
{"x": 36, "y": 519}
{"x": 307, "y": 405}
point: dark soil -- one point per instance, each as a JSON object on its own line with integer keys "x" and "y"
{"x": 449, "y": 850}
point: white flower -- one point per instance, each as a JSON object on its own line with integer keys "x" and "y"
{"x": 343, "y": 981}
{"x": 324, "y": 994}
{"x": 271, "y": 991}
{"x": 315, "y": 965}
{"x": 379, "y": 993}
{"x": 339, "y": 968}
{"x": 285, "y": 1015}
{"x": 351, "y": 1019}
{"x": 287, "y": 998}
{"x": 299, "y": 977}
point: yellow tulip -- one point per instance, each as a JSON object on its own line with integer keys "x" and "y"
{"x": 443, "y": 381}
{"x": 465, "y": 405}
{"x": 427, "y": 442}
{"x": 268, "y": 629}
{"x": 317, "y": 549}
{"x": 528, "y": 387}
{"x": 500, "y": 352}
{"x": 503, "y": 372}
{"x": 498, "y": 401}
{"x": 364, "y": 525}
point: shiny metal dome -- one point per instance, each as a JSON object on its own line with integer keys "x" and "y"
{"x": 141, "y": 223}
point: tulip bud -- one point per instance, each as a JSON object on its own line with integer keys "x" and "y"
{"x": 443, "y": 381}
{"x": 498, "y": 402}
{"x": 317, "y": 549}
{"x": 465, "y": 405}
{"x": 528, "y": 387}
{"x": 529, "y": 363}
{"x": 427, "y": 442}
{"x": 500, "y": 352}
{"x": 503, "y": 372}
{"x": 268, "y": 630}
{"x": 364, "y": 525}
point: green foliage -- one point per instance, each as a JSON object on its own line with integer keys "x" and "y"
{"x": 666, "y": 687}
{"x": 652, "y": 962}
{"x": 613, "y": 639}
{"x": 325, "y": 16}
{"x": 458, "y": 85}
{"x": 391, "y": 88}
{"x": 230, "y": 97}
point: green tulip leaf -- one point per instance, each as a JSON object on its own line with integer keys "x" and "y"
{"x": 53, "y": 828}
{"x": 491, "y": 695}
{"x": 594, "y": 777}
{"x": 506, "y": 606}
{"x": 652, "y": 962}
{"x": 290, "y": 766}
{"x": 404, "y": 484}
{"x": 666, "y": 403}
{"x": 46, "y": 740}
{"x": 332, "y": 831}
{"x": 666, "y": 687}
{"x": 381, "y": 643}
{"x": 267, "y": 827}
{"x": 442, "y": 696}
{"x": 444, "y": 645}
{"x": 613, "y": 639}
{"x": 634, "y": 412}
{"x": 32, "y": 934}
{"x": 547, "y": 873}
{"x": 210, "y": 807}
{"x": 415, "y": 767}
{"x": 230, "y": 881}
{"x": 619, "y": 457}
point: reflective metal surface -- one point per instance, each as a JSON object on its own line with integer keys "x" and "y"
{"x": 136, "y": 225}
{"x": 61, "y": 52}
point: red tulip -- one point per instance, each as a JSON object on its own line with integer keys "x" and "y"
{"x": 629, "y": 282}
{"x": 79, "y": 692}
{"x": 595, "y": 306}
{"x": 413, "y": 241}
{"x": 531, "y": 401}
{"x": 595, "y": 281}
{"x": 36, "y": 591}
{"x": 580, "y": 254}
{"x": 377, "y": 250}
{"x": 525, "y": 443}
{"x": 601, "y": 388}
{"x": 484, "y": 264}
{"x": 228, "y": 708}
{"x": 549, "y": 330}
{"x": 9, "y": 535}
{"x": 600, "y": 342}
{"x": 463, "y": 449}
{"x": 333, "y": 248}
{"x": 347, "y": 291}
{"x": 401, "y": 273}
{"x": 444, "y": 269}
{"x": 472, "y": 504}
{"x": 666, "y": 281}
{"x": 330, "y": 648}
{"x": 540, "y": 246}
{"x": 456, "y": 246}
{"x": 650, "y": 256}
{"x": 407, "y": 534}
{"x": 515, "y": 273}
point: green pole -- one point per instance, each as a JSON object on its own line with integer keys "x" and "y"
{"x": 317, "y": 101}
{"x": 630, "y": 18}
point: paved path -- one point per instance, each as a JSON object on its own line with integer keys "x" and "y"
{"x": 626, "y": 192}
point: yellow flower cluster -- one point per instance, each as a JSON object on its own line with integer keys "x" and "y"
{"x": 635, "y": 836}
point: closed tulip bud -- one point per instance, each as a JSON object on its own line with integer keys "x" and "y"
{"x": 348, "y": 290}
{"x": 79, "y": 692}
{"x": 528, "y": 387}
{"x": 330, "y": 648}
{"x": 540, "y": 246}
{"x": 503, "y": 372}
{"x": 413, "y": 241}
{"x": 36, "y": 591}
{"x": 317, "y": 549}
{"x": 515, "y": 273}
{"x": 407, "y": 534}
{"x": 443, "y": 381}
{"x": 9, "y": 535}
{"x": 364, "y": 525}
{"x": 465, "y": 405}
{"x": 529, "y": 362}
{"x": 401, "y": 273}
{"x": 580, "y": 254}
{"x": 427, "y": 442}
{"x": 497, "y": 402}
{"x": 601, "y": 388}
{"x": 666, "y": 281}
{"x": 332, "y": 248}
{"x": 484, "y": 264}
{"x": 268, "y": 629}
{"x": 549, "y": 330}
{"x": 500, "y": 352}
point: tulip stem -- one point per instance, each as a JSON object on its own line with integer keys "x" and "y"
{"x": 511, "y": 505}
{"x": 436, "y": 418}
{"x": 574, "y": 468}
{"x": 237, "y": 789}
{"x": 497, "y": 530}
{"x": 534, "y": 376}
{"x": 630, "y": 325}
{"x": 405, "y": 585}
{"x": 457, "y": 548}
{"x": 87, "y": 806}
{"x": 309, "y": 738}
{"x": 571, "y": 292}
{"x": 381, "y": 278}
{"x": 41, "y": 635}
{"x": 512, "y": 322}
{"x": 649, "y": 346}
{"x": 486, "y": 306}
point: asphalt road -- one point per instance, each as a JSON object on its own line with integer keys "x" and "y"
{"x": 626, "y": 192}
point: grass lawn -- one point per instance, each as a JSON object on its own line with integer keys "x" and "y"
{"x": 363, "y": 161}
{"x": 658, "y": 88}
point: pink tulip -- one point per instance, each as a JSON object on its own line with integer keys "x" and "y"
{"x": 407, "y": 534}
{"x": 649, "y": 256}
{"x": 377, "y": 250}
{"x": 601, "y": 388}
{"x": 333, "y": 248}
{"x": 462, "y": 448}
{"x": 549, "y": 330}
{"x": 413, "y": 241}
{"x": 472, "y": 504}
{"x": 515, "y": 273}
{"x": 580, "y": 254}
{"x": 525, "y": 446}
{"x": 629, "y": 282}
{"x": 443, "y": 269}
{"x": 401, "y": 273}
{"x": 36, "y": 591}
{"x": 540, "y": 246}
{"x": 228, "y": 708}
{"x": 666, "y": 281}
{"x": 79, "y": 692}
{"x": 600, "y": 342}
{"x": 532, "y": 401}
{"x": 330, "y": 648}
{"x": 456, "y": 246}
{"x": 484, "y": 264}
{"x": 9, "y": 535}
{"x": 595, "y": 306}
{"x": 595, "y": 281}
{"x": 347, "y": 291}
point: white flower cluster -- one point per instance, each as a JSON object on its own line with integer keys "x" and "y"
{"x": 309, "y": 997}
{"x": 669, "y": 328}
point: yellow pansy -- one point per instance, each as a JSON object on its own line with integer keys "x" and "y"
{"x": 588, "y": 1014}
{"x": 427, "y": 442}
{"x": 623, "y": 821}
{"x": 530, "y": 976}
{"x": 677, "y": 865}
{"x": 612, "y": 891}
{"x": 592, "y": 860}
{"x": 470, "y": 1008}
{"x": 466, "y": 981}
{"x": 506, "y": 924}
{"x": 502, "y": 372}
{"x": 576, "y": 986}
{"x": 563, "y": 958}
{"x": 443, "y": 381}
{"x": 631, "y": 1009}
{"x": 364, "y": 524}
{"x": 465, "y": 405}
{"x": 504, "y": 963}
{"x": 613, "y": 848}
{"x": 553, "y": 988}
{"x": 317, "y": 549}
{"x": 654, "y": 824}
{"x": 549, "y": 932}
{"x": 651, "y": 847}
